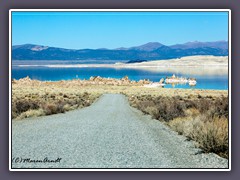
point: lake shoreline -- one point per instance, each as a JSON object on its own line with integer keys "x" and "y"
{"x": 187, "y": 61}
{"x": 192, "y": 65}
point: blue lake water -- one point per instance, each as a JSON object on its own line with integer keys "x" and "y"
{"x": 219, "y": 82}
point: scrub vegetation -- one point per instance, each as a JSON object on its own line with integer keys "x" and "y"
{"x": 204, "y": 120}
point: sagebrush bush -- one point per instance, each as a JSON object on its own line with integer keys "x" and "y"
{"x": 165, "y": 108}
{"x": 24, "y": 105}
{"x": 153, "y": 111}
{"x": 181, "y": 125}
{"x": 50, "y": 109}
{"x": 211, "y": 134}
{"x": 169, "y": 108}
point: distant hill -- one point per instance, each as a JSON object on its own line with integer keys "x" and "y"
{"x": 136, "y": 61}
{"x": 149, "y": 51}
{"x": 151, "y": 46}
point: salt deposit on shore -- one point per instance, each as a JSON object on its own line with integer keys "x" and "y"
{"x": 198, "y": 65}
{"x": 192, "y": 65}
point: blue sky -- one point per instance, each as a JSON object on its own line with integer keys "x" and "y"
{"x": 77, "y": 30}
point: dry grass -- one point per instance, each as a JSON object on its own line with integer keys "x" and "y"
{"x": 202, "y": 119}
{"x": 31, "y": 113}
{"x": 210, "y": 134}
{"x": 30, "y": 100}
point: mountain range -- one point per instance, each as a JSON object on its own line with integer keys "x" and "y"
{"x": 149, "y": 51}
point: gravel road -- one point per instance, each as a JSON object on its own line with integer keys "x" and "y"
{"x": 108, "y": 134}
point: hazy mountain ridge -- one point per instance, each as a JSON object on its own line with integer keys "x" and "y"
{"x": 197, "y": 44}
{"x": 149, "y": 51}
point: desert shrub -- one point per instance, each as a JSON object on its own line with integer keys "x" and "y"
{"x": 145, "y": 103}
{"x": 53, "y": 96}
{"x": 192, "y": 112}
{"x": 214, "y": 108}
{"x": 25, "y": 105}
{"x": 173, "y": 107}
{"x": 153, "y": 111}
{"x": 161, "y": 108}
{"x": 31, "y": 113}
{"x": 85, "y": 94}
{"x": 190, "y": 104}
{"x": 211, "y": 135}
{"x": 169, "y": 109}
{"x": 203, "y": 105}
{"x": 210, "y": 97}
{"x": 60, "y": 108}
{"x": 181, "y": 125}
{"x": 221, "y": 107}
{"x": 67, "y": 107}
{"x": 14, "y": 111}
{"x": 74, "y": 107}
{"x": 51, "y": 108}
{"x": 87, "y": 103}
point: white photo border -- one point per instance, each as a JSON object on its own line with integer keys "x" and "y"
{"x": 117, "y": 10}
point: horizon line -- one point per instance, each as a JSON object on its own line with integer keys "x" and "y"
{"x": 121, "y": 46}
